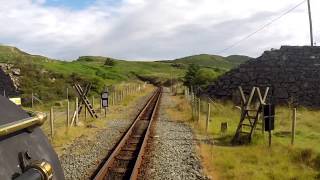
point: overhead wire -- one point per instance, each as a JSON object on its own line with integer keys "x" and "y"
{"x": 262, "y": 27}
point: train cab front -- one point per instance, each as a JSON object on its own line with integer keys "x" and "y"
{"x": 25, "y": 152}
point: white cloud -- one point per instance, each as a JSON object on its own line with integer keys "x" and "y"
{"x": 153, "y": 29}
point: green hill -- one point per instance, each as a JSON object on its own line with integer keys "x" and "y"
{"x": 237, "y": 59}
{"x": 49, "y": 78}
{"x": 212, "y": 61}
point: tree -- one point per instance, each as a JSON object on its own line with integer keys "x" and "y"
{"x": 190, "y": 77}
{"x": 109, "y": 62}
{"x": 205, "y": 76}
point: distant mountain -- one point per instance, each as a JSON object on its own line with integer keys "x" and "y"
{"x": 215, "y": 61}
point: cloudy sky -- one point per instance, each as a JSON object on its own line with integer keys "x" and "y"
{"x": 152, "y": 29}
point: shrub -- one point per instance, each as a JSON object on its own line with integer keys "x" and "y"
{"x": 109, "y": 62}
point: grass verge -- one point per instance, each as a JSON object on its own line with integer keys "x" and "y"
{"x": 255, "y": 161}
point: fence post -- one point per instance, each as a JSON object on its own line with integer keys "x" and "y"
{"x": 68, "y": 113}
{"x": 67, "y": 93}
{"x": 101, "y": 107}
{"x": 199, "y": 109}
{"x": 93, "y": 102}
{"x": 112, "y": 102}
{"x": 115, "y": 97}
{"x": 85, "y": 113}
{"x": 294, "y": 119}
{"x": 208, "y": 117}
{"x": 122, "y": 95}
{"x": 77, "y": 110}
{"x": 51, "y": 123}
{"x": 32, "y": 99}
{"x": 193, "y": 105}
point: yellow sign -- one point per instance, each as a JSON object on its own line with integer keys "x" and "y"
{"x": 17, "y": 101}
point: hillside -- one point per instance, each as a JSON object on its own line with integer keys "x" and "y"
{"x": 207, "y": 60}
{"x": 49, "y": 78}
{"x": 237, "y": 59}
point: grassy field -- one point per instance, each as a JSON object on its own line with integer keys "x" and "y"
{"x": 257, "y": 161}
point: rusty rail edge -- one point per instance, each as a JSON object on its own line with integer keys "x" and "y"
{"x": 103, "y": 171}
{"x": 135, "y": 171}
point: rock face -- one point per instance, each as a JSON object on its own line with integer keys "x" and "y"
{"x": 8, "y": 80}
{"x": 292, "y": 72}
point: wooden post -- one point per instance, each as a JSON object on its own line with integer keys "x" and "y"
{"x": 51, "y": 124}
{"x": 68, "y": 113}
{"x": 115, "y": 97}
{"x": 194, "y": 111}
{"x": 122, "y": 95}
{"x": 32, "y": 99}
{"x": 112, "y": 102}
{"x": 199, "y": 109}
{"x": 93, "y": 102}
{"x": 67, "y": 93}
{"x": 85, "y": 113}
{"x": 294, "y": 119}
{"x": 270, "y": 137}
{"x": 208, "y": 117}
{"x": 101, "y": 107}
{"x": 77, "y": 110}
{"x": 262, "y": 125}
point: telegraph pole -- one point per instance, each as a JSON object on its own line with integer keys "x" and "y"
{"x": 310, "y": 21}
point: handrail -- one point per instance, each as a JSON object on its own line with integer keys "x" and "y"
{"x": 37, "y": 119}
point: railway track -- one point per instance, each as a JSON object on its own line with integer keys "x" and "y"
{"x": 125, "y": 160}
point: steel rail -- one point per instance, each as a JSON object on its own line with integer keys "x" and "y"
{"x": 103, "y": 172}
{"x": 137, "y": 165}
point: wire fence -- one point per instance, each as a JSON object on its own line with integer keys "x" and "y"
{"x": 64, "y": 114}
{"x": 222, "y": 118}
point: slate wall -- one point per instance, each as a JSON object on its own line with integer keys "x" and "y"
{"x": 293, "y": 72}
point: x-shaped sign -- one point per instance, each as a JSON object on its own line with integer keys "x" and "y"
{"x": 262, "y": 99}
{"x": 82, "y": 94}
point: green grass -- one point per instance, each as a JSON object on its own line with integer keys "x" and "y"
{"x": 257, "y": 160}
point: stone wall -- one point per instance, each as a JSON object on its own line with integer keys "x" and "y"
{"x": 292, "y": 72}
{"x": 9, "y": 82}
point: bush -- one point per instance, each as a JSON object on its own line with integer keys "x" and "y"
{"x": 109, "y": 62}
{"x": 308, "y": 157}
{"x": 316, "y": 163}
